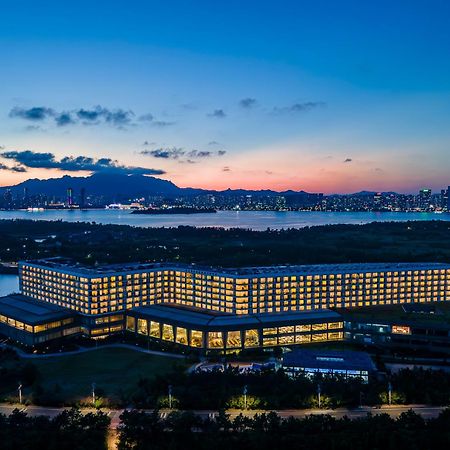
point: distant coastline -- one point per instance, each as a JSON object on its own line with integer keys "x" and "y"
{"x": 175, "y": 210}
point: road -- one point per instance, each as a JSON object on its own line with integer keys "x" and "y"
{"x": 427, "y": 412}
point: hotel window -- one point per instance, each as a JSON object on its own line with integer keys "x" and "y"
{"x": 234, "y": 339}
{"x": 285, "y": 340}
{"x": 284, "y": 330}
{"x": 142, "y": 327}
{"x": 251, "y": 338}
{"x": 319, "y": 326}
{"x": 154, "y": 329}
{"x": 401, "y": 329}
{"x": 196, "y": 338}
{"x": 319, "y": 337}
{"x": 167, "y": 332}
{"x": 182, "y": 336}
{"x": 215, "y": 339}
{"x": 302, "y": 338}
{"x": 269, "y": 331}
{"x": 131, "y": 321}
{"x": 269, "y": 341}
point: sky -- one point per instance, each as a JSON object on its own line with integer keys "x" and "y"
{"x": 324, "y": 96}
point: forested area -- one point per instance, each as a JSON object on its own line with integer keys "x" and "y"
{"x": 410, "y": 431}
{"x": 93, "y": 243}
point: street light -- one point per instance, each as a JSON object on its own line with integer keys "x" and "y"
{"x": 245, "y": 396}
{"x": 319, "y": 391}
{"x": 170, "y": 396}
{"x": 93, "y": 394}
{"x": 19, "y": 390}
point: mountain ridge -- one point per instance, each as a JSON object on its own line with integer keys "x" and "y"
{"x": 124, "y": 186}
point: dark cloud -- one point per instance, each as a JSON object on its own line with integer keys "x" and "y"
{"x": 299, "y": 107}
{"x": 97, "y": 115}
{"x": 12, "y": 169}
{"x": 181, "y": 154}
{"x": 200, "y": 154}
{"x": 247, "y": 103}
{"x": 64, "y": 119}
{"x": 347, "y": 160}
{"x": 36, "y": 114}
{"x": 117, "y": 117}
{"x": 31, "y": 159}
{"x": 226, "y": 169}
{"x": 218, "y": 113}
{"x": 165, "y": 153}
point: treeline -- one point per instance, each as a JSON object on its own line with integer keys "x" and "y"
{"x": 275, "y": 390}
{"x": 140, "y": 431}
{"x": 94, "y": 243}
{"x": 70, "y": 430}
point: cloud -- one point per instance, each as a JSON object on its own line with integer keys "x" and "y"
{"x": 64, "y": 119}
{"x": 298, "y": 107}
{"x": 147, "y": 143}
{"x": 213, "y": 143}
{"x": 247, "y": 103}
{"x": 180, "y": 154}
{"x": 117, "y": 117}
{"x": 217, "y": 113}
{"x": 31, "y": 159}
{"x": 36, "y": 114}
{"x": 226, "y": 169}
{"x": 97, "y": 115}
{"x": 12, "y": 169}
{"x": 162, "y": 123}
{"x": 347, "y": 160}
{"x": 146, "y": 117}
{"x": 165, "y": 153}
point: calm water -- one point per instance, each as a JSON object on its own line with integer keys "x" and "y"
{"x": 8, "y": 284}
{"x": 256, "y": 220}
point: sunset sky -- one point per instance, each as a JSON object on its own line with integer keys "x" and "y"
{"x": 324, "y": 96}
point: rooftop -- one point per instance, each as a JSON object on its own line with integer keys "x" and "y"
{"x": 30, "y": 311}
{"x": 329, "y": 360}
{"x": 68, "y": 265}
{"x": 200, "y": 318}
{"x": 436, "y": 314}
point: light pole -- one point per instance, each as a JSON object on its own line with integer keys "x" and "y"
{"x": 390, "y": 393}
{"x": 170, "y": 396}
{"x": 245, "y": 396}
{"x": 19, "y": 390}
{"x": 93, "y": 394}
{"x": 319, "y": 391}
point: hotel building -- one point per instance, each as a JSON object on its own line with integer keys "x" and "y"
{"x": 225, "y": 309}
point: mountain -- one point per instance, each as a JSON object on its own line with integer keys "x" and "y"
{"x": 109, "y": 185}
{"x": 116, "y": 187}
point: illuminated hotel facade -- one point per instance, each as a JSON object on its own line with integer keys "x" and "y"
{"x": 226, "y": 309}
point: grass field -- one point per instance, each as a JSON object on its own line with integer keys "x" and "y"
{"x": 115, "y": 371}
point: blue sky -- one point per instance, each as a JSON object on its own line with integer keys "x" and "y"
{"x": 323, "y": 96}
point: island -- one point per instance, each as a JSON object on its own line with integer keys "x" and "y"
{"x": 174, "y": 210}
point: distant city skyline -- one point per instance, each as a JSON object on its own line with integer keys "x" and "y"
{"x": 323, "y": 97}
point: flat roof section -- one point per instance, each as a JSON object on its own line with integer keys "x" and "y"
{"x": 329, "y": 360}
{"x": 193, "y": 317}
{"x": 434, "y": 315}
{"x": 69, "y": 266}
{"x": 30, "y": 311}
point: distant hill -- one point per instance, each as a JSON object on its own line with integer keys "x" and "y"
{"x": 116, "y": 187}
{"x": 101, "y": 184}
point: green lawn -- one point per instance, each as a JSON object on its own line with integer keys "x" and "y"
{"x": 113, "y": 370}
